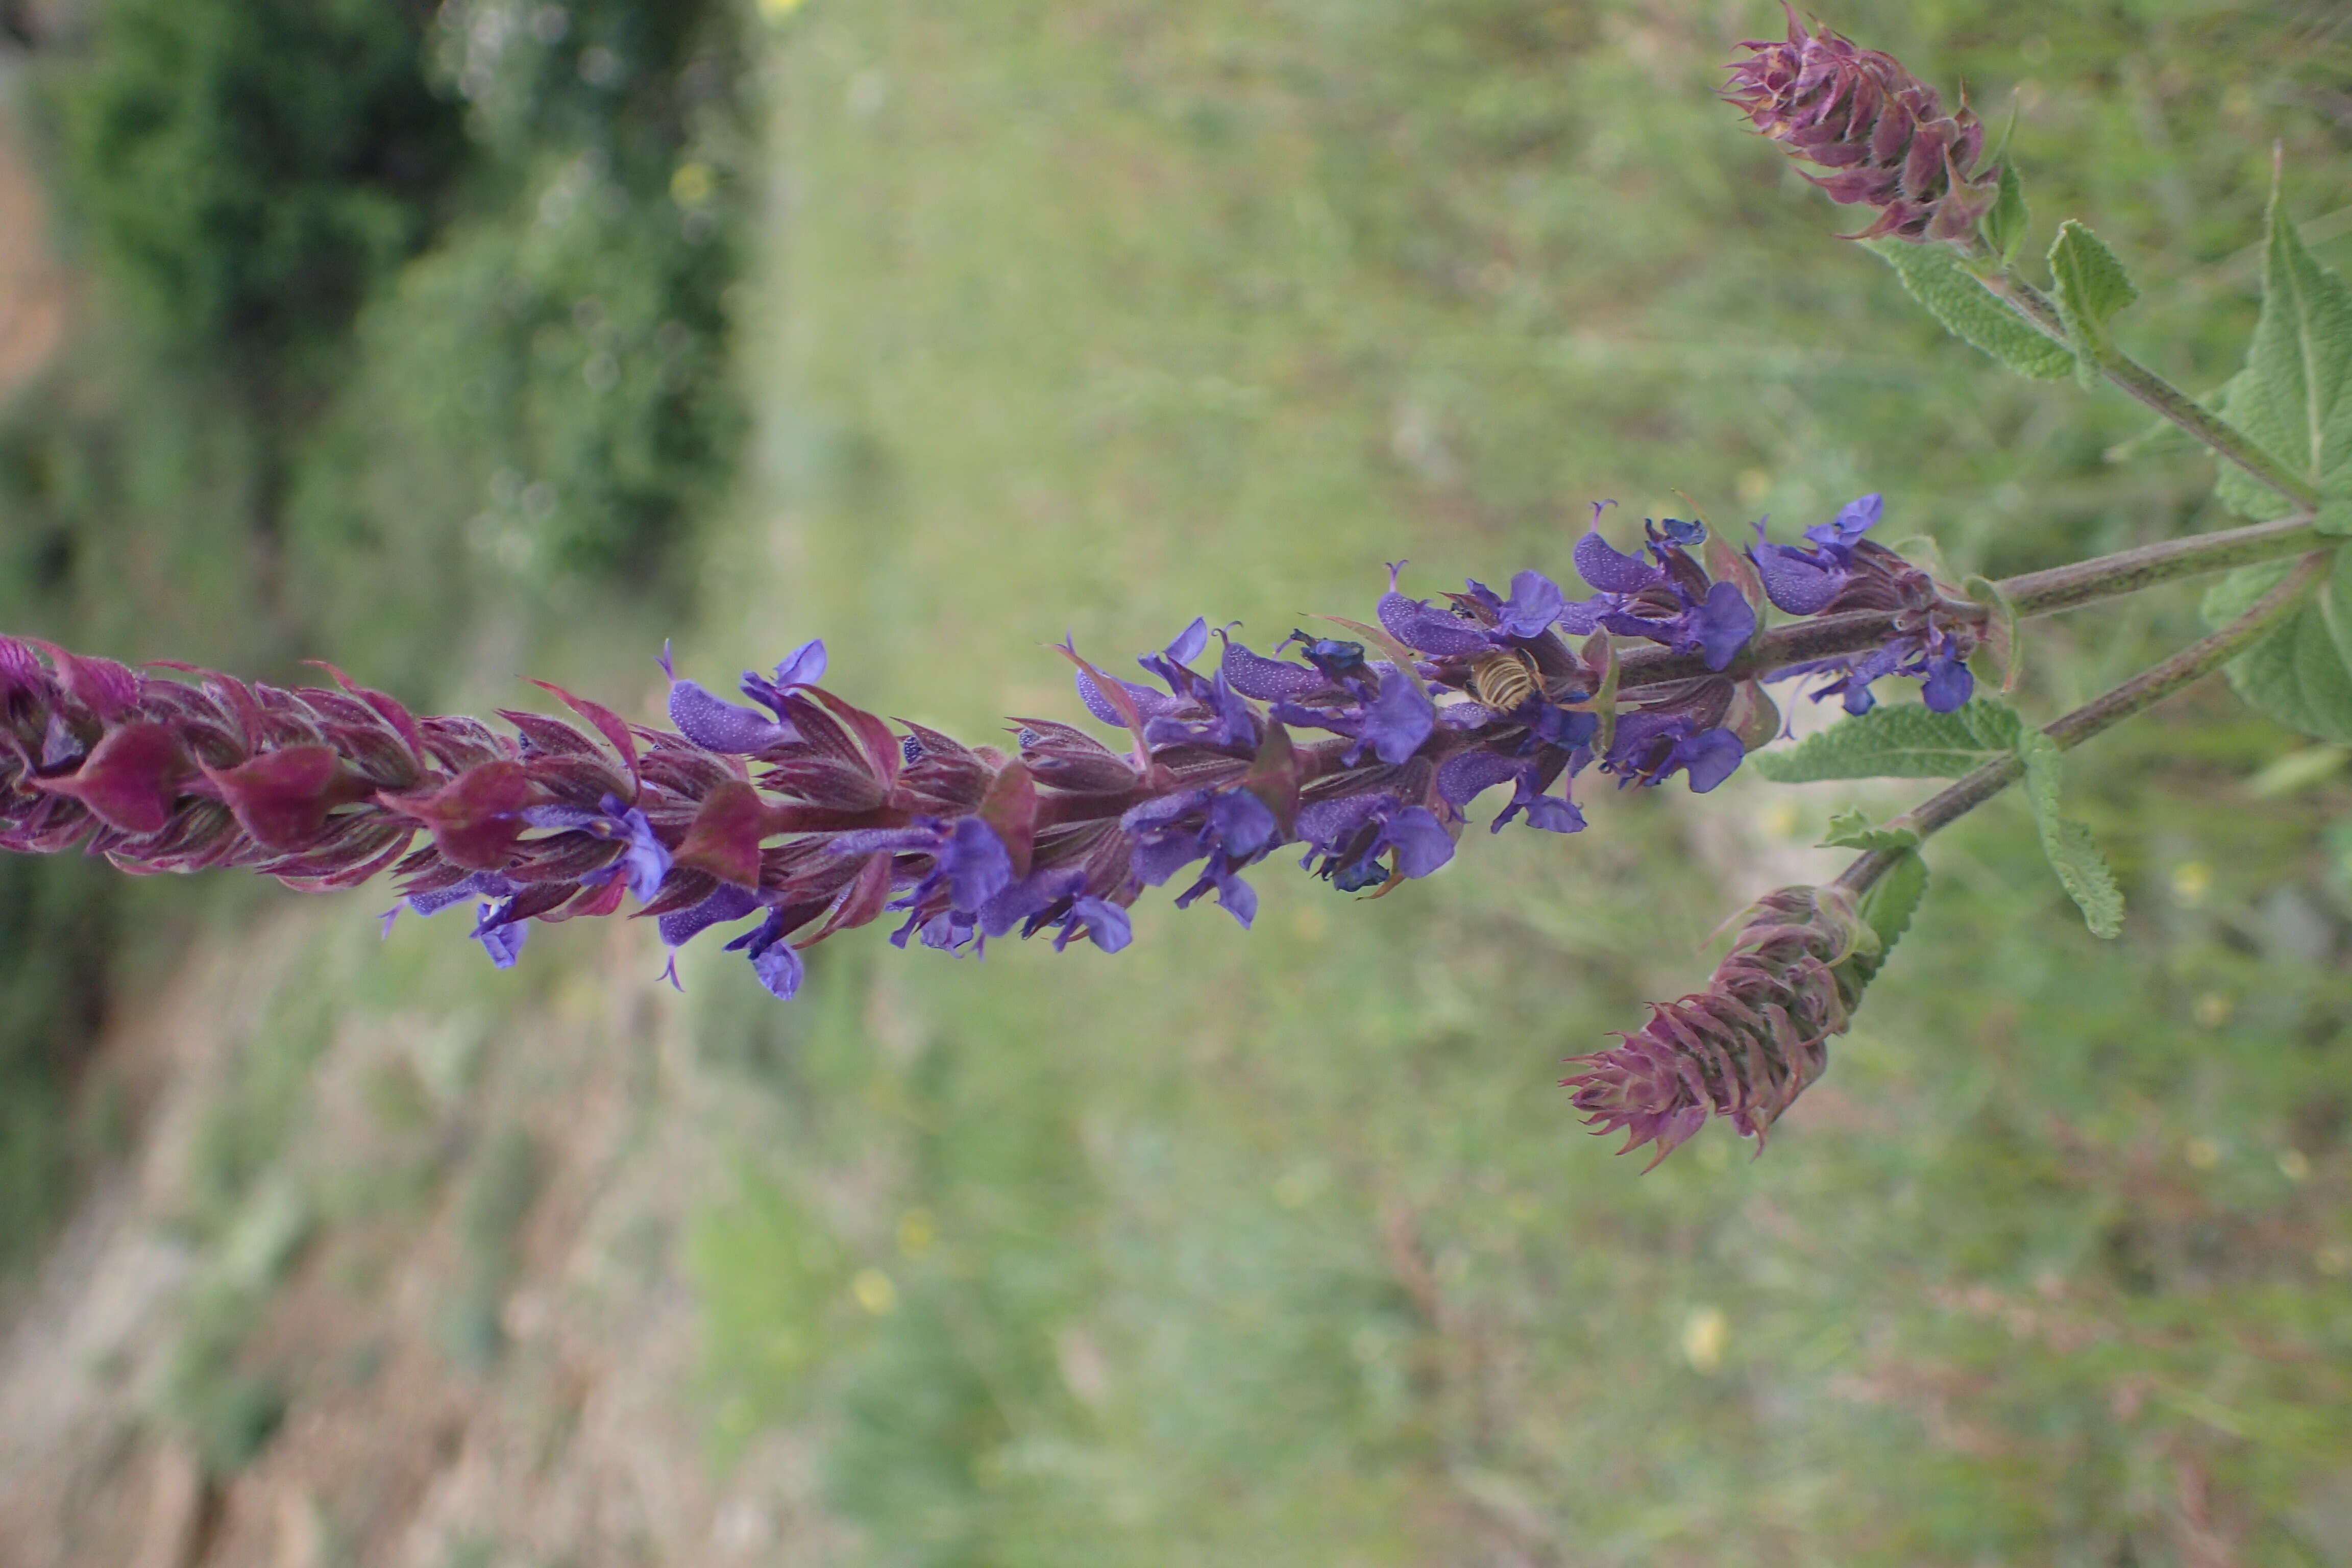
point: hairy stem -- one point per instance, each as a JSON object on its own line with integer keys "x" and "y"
{"x": 2141, "y": 692}
{"x": 2030, "y": 593}
{"x": 2151, "y": 390}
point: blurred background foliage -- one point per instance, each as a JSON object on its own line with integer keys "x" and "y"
{"x": 411, "y": 338}
{"x": 1098, "y": 316}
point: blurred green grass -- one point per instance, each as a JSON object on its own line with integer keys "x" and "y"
{"x": 1282, "y": 1244}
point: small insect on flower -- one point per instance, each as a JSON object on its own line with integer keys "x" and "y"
{"x": 1503, "y": 680}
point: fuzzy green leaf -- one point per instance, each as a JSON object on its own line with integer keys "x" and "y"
{"x": 1898, "y": 741}
{"x": 2005, "y": 224}
{"x": 1855, "y": 829}
{"x": 2092, "y": 286}
{"x": 1951, "y": 293}
{"x": 2294, "y": 399}
{"x": 1889, "y": 906}
{"x": 2082, "y": 872}
{"x": 2066, "y": 845}
{"x": 2301, "y": 675}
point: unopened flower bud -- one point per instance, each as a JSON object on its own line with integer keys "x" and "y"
{"x": 1747, "y": 1046}
{"x": 1880, "y": 131}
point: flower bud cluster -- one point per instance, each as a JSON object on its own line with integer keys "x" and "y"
{"x": 795, "y": 814}
{"x": 1747, "y": 1046}
{"x": 1880, "y": 131}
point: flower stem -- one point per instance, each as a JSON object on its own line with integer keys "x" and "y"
{"x": 2144, "y": 385}
{"x": 2030, "y": 593}
{"x": 2141, "y": 692}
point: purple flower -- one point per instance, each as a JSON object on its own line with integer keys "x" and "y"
{"x": 1651, "y": 747}
{"x": 481, "y": 884}
{"x": 1937, "y": 660}
{"x": 1463, "y": 778}
{"x": 1803, "y": 580}
{"x": 1057, "y": 898}
{"x": 804, "y": 666}
{"x": 1392, "y": 725}
{"x": 1353, "y": 833}
{"x": 774, "y": 961}
{"x": 1536, "y": 601}
{"x": 500, "y": 934}
{"x": 644, "y": 861}
{"x": 1838, "y": 569}
{"x": 718, "y": 725}
{"x": 1543, "y": 811}
{"x": 1230, "y": 827}
{"x": 1671, "y": 602}
{"x": 728, "y": 903}
{"x": 970, "y": 866}
{"x": 1275, "y": 680}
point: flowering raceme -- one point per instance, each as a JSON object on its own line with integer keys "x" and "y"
{"x": 796, "y": 814}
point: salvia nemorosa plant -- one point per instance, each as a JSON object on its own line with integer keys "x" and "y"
{"x": 793, "y": 813}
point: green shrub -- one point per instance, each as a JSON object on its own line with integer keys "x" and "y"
{"x": 248, "y": 168}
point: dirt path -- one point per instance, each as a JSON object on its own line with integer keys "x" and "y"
{"x": 35, "y": 296}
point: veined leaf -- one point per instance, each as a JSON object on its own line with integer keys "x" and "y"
{"x": 2092, "y": 286}
{"x": 2005, "y": 224}
{"x": 2067, "y": 844}
{"x": 2301, "y": 675}
{"x": 1902, "y": 741}
{"x": 1936, "y": 279}
{"x": 2294, "y": 399}
{"x": 1889, "y": 906}
{"x": 1854, "y": 829}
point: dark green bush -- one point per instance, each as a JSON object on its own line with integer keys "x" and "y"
{"x": 248, "y": 168}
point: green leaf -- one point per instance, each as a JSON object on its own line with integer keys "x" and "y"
{"x": 2003, "y": 638}
{"x": 1900, "y": 740}
{"x": 2082, "y": 872}
{"x": 2005, "y": 224}
{"x": 2294, "y": 399}
{"x": 1953, "y": 296}
{"x": 2301, "y": 675}
{"x": 2066, "y": 845}
{"x": 2092, "y": 286}
{"x": 1854, "y": 829}
{"x": 1886, "y": 909}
